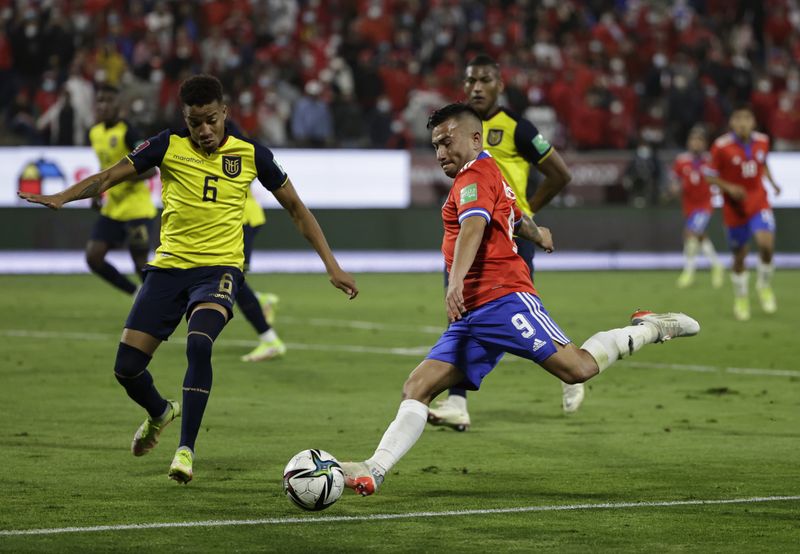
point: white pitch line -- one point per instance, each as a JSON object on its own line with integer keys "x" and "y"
{"x": 411, "y": 351}
{"x": 384, "y": 517}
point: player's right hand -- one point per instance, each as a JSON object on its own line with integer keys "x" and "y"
{"x": 454, "y": 300}
{"x": 52, "y": 201}
{"x": 736, "y": 192}
{"x": 546, "y": 240}
{"x": 344, "y": 282}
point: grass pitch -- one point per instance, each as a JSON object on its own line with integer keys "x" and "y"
{"x": 714, "y": 417}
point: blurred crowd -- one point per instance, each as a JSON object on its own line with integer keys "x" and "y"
{"x": 592, "y": 74}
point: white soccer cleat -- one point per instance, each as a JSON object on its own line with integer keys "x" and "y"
{"x": 362, "y": 478}
{"x": 767, "y": 299}
{"x": 669, "y": 325}
{"x": 572, "y": 397}
{"x": 448, "y": 414}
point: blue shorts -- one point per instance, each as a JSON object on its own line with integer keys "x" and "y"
{"x": 135, "y": 232}
{"x": 741, "y": 235}
{"x": 516, "y": 323}
{"x": 249, "y": 241}
{"x": 697, "y": 221}
{"x": 167, "y": 294}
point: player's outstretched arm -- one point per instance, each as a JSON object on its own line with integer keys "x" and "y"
{"x": 540, "y": 236}
{"x": 556, "y": 177}
{"x": 467, "y": 244}
{"x": 308, "y": 226}
{"x": 92, "y": 186}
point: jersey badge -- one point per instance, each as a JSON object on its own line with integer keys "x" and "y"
{"x": 232, "y": 165}
{"x": 469, "y": 194}
{"x": 113, "y": 142}
{"x": 541, "y": 144}
{"x": 494, "y": 136}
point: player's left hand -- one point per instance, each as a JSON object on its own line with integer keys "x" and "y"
{"x": 344, "y": 282}
{"x": 545, "y": 239}
{"x": 776, "y": 188}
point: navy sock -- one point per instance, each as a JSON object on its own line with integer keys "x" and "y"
{"x": 205, "y": 326}
{"x": 131, "y": 372}
{"x": 109, "y": 273}
{"x": 458, "y": 392}
{"x": 251, "y": 308}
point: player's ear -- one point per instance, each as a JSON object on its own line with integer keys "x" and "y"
{"x": 224, "y": 112}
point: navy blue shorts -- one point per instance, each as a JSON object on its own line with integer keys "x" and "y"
{"x": 739, "y": 236}
{"x": 167, "y": 294}
{"x": 135, "y": 232}
{"x": 249, "y": 241}
{"x": 516, "y": 323}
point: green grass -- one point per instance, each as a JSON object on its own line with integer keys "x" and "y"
{"x": 643, "y": 433}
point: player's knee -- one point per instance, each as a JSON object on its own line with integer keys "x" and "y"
{"x": 95, "y": 259}
{"x": 205, "y": 325}
{"x": 580, "y": 370}
{"x": 130, "y": 363}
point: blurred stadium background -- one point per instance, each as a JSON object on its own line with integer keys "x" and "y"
{"x": 348, "y": 84}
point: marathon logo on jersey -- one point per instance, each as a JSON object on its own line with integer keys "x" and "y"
{"x": 541, "y": 144}
{"x": 232, "y": 165}
{"x": 494, "y": 137}
{"x": 469, "y": 194}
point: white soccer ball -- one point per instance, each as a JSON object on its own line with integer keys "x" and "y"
{"x": 313, "y": 479}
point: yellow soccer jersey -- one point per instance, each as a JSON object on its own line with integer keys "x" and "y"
{"x": 515, "y": 143}
{"x": 253, "y": 212}
{"x": 204, "y": 196}
{"x": 128, "y": 200}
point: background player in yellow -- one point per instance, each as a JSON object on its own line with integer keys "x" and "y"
{"x": 127, "y": 215}
{"x": 514, "y": 143}
{"x": 258, "y": 308}
{"x": 206, "y": 172}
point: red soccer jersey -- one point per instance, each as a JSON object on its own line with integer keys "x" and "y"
{"x": 695, "y": 190}
{"x": 479, "y": 190}
{"x": 741, "y": 164}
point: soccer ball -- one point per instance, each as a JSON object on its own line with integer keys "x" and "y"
{"x": 313, "y": 479}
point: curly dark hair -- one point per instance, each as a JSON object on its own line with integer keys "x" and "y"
{"x": 450, "y": 111}
{"x": 199, "y": 90}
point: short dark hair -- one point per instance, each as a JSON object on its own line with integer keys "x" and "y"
{"x": 450, "y": 111}
{"x": 105, "y": 87}
{"x": 199, "y": 90}
{"x": 482, "y": 60}
{"x": 743, "y": 107}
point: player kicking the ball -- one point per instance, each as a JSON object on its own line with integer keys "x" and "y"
{"x": 491, "y": 302}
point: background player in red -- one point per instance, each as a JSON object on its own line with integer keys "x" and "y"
{"x": 491, "y": 303}
{"x": 738, "y": 163}
{"x": 690, "y": 182}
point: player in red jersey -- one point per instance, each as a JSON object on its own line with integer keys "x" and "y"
{"x": 738, "y": 164}
{"x": 491, "y": 303}
{"x": 689, "y": 180}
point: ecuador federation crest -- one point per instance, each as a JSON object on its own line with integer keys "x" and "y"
{"x": 494, "y": 137}
{"x": 232, "y": 165}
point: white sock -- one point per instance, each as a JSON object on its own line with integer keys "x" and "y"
{"x": 690, "y": 247}
{"x": 458, "y": 401}
{"x": 764, "y": 274}
{"x": 607, "y": 347}
{"x": 740, "y": 283}
{"x": 269, "y": 336}
{"x": 401, "y": 435}
{"x": 708, "y": 250}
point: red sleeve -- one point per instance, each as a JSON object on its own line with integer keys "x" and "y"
{"x": 474, "y": 195}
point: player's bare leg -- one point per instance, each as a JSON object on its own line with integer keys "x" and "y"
{"x": 717, "y": 269}
{"x": 691, "y": 245}
{"x": 429, "y": 379}
{"x": 741, "y": 289}
{"x": 765, "y": 241}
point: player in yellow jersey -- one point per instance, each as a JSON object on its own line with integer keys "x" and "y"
{"x": 258, "y": 308}
{"x": 128, "y": 213}
{"x": 206, "y": 173}
{"x": 515, "y": 144}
